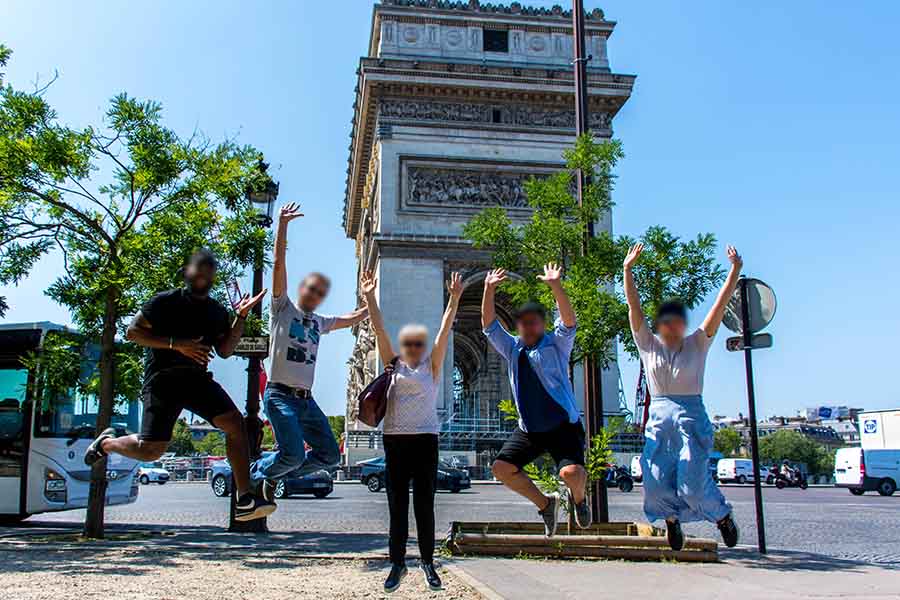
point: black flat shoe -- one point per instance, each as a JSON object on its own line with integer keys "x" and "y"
{"x": 398, "y": 572}
{"x": 675, "y": 535}
{"x": 431, "y": 577}
{"x": 729, "y": 530}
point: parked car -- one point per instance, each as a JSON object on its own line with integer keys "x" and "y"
{"x": 449, "y": 477}
{"x": 320, "y": 484}
{"x": 862, "y": 471}
{"x": 152, "y": 473}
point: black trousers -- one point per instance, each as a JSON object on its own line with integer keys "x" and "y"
{"x": 411, "y": 458}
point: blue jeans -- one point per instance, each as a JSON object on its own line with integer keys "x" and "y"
{"x": 295, "y": 421}
{"x": 675, "y": 462}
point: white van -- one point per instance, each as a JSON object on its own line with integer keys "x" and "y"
{"x": 734, "y": 470}
{"x": 863, "y": 471}
{"x": 636, "y": 468}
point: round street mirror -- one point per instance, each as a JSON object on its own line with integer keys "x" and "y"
{"x": 762, "y": 307}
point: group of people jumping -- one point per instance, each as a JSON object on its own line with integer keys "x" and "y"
{"x": 182, "y": 327}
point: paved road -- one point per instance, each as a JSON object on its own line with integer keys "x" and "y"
{"x": 820, "y": 520}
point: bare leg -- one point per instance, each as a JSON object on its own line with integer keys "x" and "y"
{"x": 513, "y": 478}
{"x": 232, "y": 424}
{"x": 134, "y": 447}
{"x": 576, "y": 478}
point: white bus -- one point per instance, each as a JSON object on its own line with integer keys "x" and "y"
{"x": 48, "y": 418}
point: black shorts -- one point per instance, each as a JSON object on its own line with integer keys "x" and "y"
{"x": 168, "y": 393}
{"x": 565, "y": 444}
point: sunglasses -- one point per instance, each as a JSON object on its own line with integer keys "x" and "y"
{"x": 413, "y": 344}
{"x": 317, "y": 291}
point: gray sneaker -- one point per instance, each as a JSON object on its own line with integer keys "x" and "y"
{"x": 549, "y": 514}
{"x": 582, "y": 510}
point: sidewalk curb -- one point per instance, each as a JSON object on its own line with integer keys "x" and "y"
{"x": 483, "y": 589}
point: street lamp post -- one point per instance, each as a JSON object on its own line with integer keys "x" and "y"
{"x": 593, "y": 390}
{"x": 263, "y": 199}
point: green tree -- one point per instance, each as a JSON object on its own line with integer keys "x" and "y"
{"x": 797, "y": 448}
{"x": 268, "y": 438}
{"x": 727, "y": 441}
{"x": 337, "y": 426}
{"x": 125, "y": 203}
{"x": 555, "y": 231}
{"x": 182, "y": 444}
{"x": 212, "y": 444}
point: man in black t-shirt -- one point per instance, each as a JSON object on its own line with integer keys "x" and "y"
{"x": 180, "y": 328}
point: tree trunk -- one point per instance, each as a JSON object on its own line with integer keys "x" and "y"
{"x": 93, "y": 523}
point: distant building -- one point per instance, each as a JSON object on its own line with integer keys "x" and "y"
{"x": 824, "y": 435}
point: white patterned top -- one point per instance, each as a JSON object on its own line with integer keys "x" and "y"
{"x": 412, "y": 400}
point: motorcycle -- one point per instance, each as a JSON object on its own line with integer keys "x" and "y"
{"x": 619, "y": 477}
{"x": 797, "y": 480}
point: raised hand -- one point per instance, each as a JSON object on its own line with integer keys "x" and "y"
{"x": 552, "y": 274}
{"x": 455, "y": 285}
{"x": 494, "y": 278}
{"x": 733, "y": 257}
{"x": 368, "y": 283}
{"x": 634, "y": 253}
{"x": 246, "y": 303}
{"x": 289, "y": 212}
{"x": 194, "y": 349}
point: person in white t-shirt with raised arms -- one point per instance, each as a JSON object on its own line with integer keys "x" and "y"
{"x": 678, "y": 436}
{"x": 295, "y": 329}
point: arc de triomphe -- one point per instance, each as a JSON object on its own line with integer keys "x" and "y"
{"x": 456, "y": 104}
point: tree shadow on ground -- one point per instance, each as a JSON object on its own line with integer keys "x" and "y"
{"x": 135, "y": 549}
{"x": 789, "y": 561}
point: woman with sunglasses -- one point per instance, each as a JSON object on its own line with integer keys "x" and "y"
{"x": 411, "y": 427}
{"x": 678, "y": 435}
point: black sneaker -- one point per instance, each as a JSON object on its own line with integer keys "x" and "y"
{"x": 394, "y": 578}
{"x": 250, "y": 507}
{"x": 431, "y": 577}
{"x": 675, "y": 535}
{"x": 268, "y": 490}
{"x": 95, "y": 451}
{"x": 582, "y": 511}
{"x": 549, "y": 514}
{"x": 729, "y": 530}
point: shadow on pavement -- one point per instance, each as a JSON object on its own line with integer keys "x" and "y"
{"x": 30, "y": 545}
{"x": 789, "y": 561}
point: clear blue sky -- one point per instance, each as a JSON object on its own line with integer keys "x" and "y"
{"x": 772, "y": 124}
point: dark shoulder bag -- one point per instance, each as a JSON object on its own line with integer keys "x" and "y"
{"x": 372, "y": 401}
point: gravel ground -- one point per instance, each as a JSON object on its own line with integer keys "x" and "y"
{"x": 137, "y": 575}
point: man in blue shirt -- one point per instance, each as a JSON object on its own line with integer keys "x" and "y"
{"x": 549, "y": 421}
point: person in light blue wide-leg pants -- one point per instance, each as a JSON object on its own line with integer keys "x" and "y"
{"x": 678, "y": 439}
{"x": 678, "y": 436}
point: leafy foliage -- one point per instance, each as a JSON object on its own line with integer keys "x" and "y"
{"x": 337, "y": 425}
{"x": 555, "y": 232}
{"x": 125, "y": 203}
{"x": 268, "y": 438}
{"x": 212, "y": 444}
{"x": 182, "y": 444}
{"x": 796, "y": 448}
{"x": 727, "y": 441}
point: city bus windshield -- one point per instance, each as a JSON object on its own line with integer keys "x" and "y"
{"x": 66, "y": 384}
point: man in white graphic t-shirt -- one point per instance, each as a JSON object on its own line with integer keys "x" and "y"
{"x": 295, "y": 330}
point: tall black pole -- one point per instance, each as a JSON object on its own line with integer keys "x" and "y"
{"x": 252, "y": 422}
{"x": 751, "y": 399}
{"x": 593, "y": 389}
